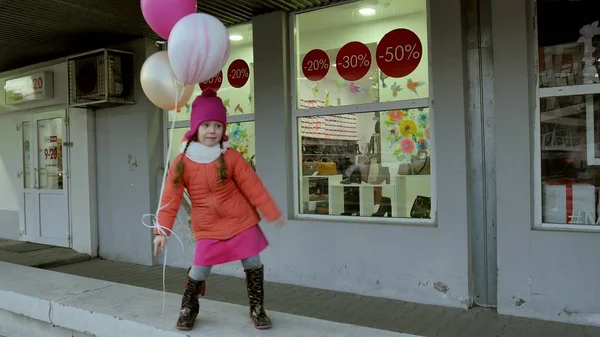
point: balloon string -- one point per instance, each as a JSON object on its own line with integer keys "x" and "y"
{"x": 162, "y": 230}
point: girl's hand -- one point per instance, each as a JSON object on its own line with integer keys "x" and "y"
{"x": 159, "y": 241}
{"x": 280, "y": 222}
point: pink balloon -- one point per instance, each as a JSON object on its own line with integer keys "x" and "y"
{"x": 162, "y": 15}
{"x": 198, "y": 48}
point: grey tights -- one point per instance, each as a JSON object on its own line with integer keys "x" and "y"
{"x": 200, "y": 273}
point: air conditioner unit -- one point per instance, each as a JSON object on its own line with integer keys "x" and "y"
{"x": 101, "y": 79}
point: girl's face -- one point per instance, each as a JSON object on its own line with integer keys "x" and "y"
{"x": 210, "y": 133}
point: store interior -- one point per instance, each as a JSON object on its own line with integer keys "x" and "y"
{"x": 569, "y": 148}
{"x": 371, "y": 164}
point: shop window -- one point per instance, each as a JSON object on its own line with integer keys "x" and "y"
{"x": 362, "y": 111}
{"x": 235, "y": 86}
{"x": 567, "y": 146}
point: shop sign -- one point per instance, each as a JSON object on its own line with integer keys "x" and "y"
{"x": 34, "y": 87}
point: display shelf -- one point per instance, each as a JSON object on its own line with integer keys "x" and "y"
{"x": 366, "y": 197}
{"x": 305, "y": 184}
{"x": 402, "y": 192}
{"x": 407, "y": 190}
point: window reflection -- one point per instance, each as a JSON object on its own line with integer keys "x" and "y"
{"x": 570, "y": 173}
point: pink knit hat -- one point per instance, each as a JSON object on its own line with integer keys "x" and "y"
{"x": 207, "y": 107}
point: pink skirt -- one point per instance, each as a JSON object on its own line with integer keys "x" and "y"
{"x": 248, "y": 243}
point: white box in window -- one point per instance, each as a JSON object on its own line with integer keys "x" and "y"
{"x": 570, "y": 204}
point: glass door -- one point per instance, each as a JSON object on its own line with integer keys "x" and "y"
{"x": 45, "y": 179}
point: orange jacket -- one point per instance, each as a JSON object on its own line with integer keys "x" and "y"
{"x": 219, "y": 211}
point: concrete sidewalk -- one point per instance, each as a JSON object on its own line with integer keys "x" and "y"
{"x": 366, "y": 311}
{"x": 391, "y": 315}
{"x": 42, "y": 303}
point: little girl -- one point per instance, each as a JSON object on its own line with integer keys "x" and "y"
{"x": 225, "y": 193}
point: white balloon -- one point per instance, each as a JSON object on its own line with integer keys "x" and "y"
{"x": 160, "y": 85}
{"x": 198, "y": 48}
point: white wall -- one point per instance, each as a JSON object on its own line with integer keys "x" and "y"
{"x": 11, "y": 159}
{"x": 129, "y": 155}
{"x": 10, "y": 184}
{"x": 550, "y": 275}
{"x": 414, "y": 263}
{"x": 83, "y": 188}
{"x": 81, "y": 158}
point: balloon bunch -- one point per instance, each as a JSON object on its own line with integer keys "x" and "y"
{"x": 198, "y": 48}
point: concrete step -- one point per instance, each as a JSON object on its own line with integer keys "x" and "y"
{"x": 54, "y": 304}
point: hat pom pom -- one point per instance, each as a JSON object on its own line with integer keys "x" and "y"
{"x": 208, "y": 92}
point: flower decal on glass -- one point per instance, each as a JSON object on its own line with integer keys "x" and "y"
{"x": 423, "y": 119}
{"x": 396, "y": 115}
{"x": 407, "y": 145}
{"x": 238, "y": 138}
{"x": 408, "y": 127}
{"x": 422, "y": 145}
{"x": 407, "y": 133}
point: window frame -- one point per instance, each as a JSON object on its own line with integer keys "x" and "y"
{"x": 356, "y": 109}
{"x": 587, "y": 90}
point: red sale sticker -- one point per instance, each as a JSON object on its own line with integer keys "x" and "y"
{"x": 213, "y": 83}
{"x": 353, "y": 61}
{"x": 399, "y": 53}
{"x": 51, "y": 153}
{"x": 315, "y": 65}
{"x": 238, "y": 73}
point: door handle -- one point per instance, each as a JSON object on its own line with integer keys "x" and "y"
{"x": 35, "y": 178}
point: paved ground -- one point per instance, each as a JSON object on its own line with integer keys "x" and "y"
{"x": 373, "y": 312}
{"x": 399, "y": 316}
{"x": 39, "y": 256}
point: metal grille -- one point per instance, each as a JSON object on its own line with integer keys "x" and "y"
{"x": 34, "y": 31}
{"x": 101, "y": 79}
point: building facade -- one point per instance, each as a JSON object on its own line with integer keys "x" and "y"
{"x": 421, "y": 150}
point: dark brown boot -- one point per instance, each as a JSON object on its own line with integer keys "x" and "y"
{"x": 255, "y": 280}
{"x": 190, "y": 304}
{"x": 185, "y": 283}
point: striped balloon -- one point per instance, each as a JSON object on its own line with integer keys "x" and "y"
{"x": 198, "y": 48}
